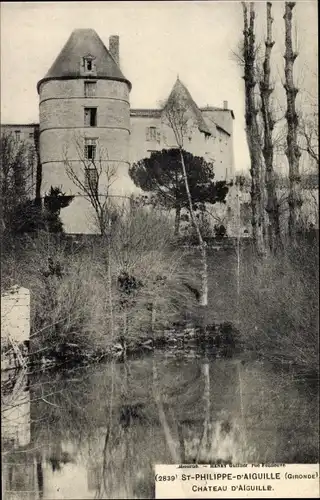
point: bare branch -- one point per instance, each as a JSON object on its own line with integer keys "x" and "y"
{"x": 180, "y": 118}
{"x": 93, "y": 177}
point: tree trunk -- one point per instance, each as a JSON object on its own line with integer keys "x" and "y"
{"x": 177, "y": 221}
{"x": 206, "y": 398}
{"x": 202, "y": 244}
{"x": 39, "y": 168}
{"x": 170, "y": 441}
{"x": 252, "y": 128}
{"x": 109, "y": 282}
{"x": 153, "y": 316}
{"x": 272, "y": 205}
{"x": 293, "y": 152}
{"x": 39, "y": 472}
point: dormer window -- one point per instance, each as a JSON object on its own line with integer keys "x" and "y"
{"x": 88, "y": 65}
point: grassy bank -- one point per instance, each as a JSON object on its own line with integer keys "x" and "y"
{"x": 95, "y": 296}
{"x": 279, "y": 306}
{"x": 91, "y": 295}
{"x": 273, "y": 302}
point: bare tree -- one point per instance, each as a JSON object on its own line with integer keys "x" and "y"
{"x": 272, "y": 206}
{"x": 93, "y": 176}
{"x": 172, "y": 443}
{"x": 16, "y": 175}
{"x": 36, "y": 138}
{"x": 207, "y": 404}
{"x": 252, "y": 126}
{"x": 90, "y": 174}
{"x": 180, "y": 116}
{"x": 293, "y": 152}
{"x": 309, "y": 134}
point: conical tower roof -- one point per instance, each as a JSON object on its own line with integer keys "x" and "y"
{"x": 181, "y": 95}
{"x": 82, "y": 43}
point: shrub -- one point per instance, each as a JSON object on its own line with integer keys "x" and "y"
{"x": 142, "y": 245}
{"x": 75, "y": 309}
{"x": 278, "y": 304}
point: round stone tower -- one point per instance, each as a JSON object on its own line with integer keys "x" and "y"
{"x": 84, "y": 120}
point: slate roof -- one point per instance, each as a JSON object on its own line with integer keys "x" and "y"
{"x": 214, "y": 108}
{"x": 83, "y": 42}
{"x": 181, "y": 94}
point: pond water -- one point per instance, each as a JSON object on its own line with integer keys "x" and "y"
{"x": 96, "y": 431}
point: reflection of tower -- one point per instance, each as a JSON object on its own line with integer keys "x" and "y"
{"x": 15, "y": 428}
{"x": 18, "y": 467}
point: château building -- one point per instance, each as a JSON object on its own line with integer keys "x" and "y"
{"x": 85, "y": 114}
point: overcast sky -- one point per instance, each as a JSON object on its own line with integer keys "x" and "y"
{"x": 158, "y": 40}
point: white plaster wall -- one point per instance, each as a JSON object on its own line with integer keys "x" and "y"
{"x": 15, "y": 314}
{"x": 15, "y": 425}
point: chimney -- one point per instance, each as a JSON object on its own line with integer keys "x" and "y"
{"x": 114, "y": 48}
{"x": 225, "y": 104}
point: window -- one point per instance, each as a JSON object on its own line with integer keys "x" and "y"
{"x": 90, "y": 89}
{"x": 91, "y": 179}
{"x": 31, "y": 135}
{"x": 88, "y": 64}
{"x": 90, "y": 148}
{"x": 90, "y": 117}
{"x": 18, "y": 135}
{"x": 151, "y": 134}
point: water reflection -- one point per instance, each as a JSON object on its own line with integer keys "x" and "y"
{"x": 97, "y": 432}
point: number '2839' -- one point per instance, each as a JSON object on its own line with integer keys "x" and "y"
{"x": 159, "y": 477}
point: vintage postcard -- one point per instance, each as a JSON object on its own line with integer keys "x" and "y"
{"x": 159, "y": 250}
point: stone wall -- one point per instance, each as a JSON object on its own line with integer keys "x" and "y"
{"x": 15, "y": 314}
{"x": 217, "y": 149}
{"x": 62, "y": 137}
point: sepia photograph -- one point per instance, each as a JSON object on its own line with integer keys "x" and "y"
{"x": 159, "y": 249}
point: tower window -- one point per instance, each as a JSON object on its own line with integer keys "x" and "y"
{"x": 91, "y": 179}
{"x": 90, "y": 117}
{"x": 88, "y": 65}
{"x": 90, "y": 89}
{"x": 90, "y": 149}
